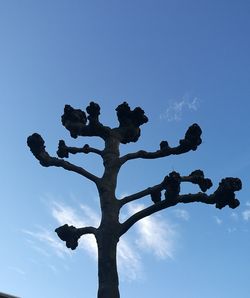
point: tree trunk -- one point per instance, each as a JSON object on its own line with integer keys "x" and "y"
{"x": 109, "y": 231}
{"x": 107, "y": 266}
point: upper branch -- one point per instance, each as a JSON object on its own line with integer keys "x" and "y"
{"x": 63, "y": 150}
{"x": 130, "y": 122}
{"x": 191, "y": 141}
{"x": 223, "y": 196}
{"x": 71, "y": 235}
{"x": 37, "y": 147}
{"x": 75, "y": 120}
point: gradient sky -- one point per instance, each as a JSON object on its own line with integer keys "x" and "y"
{"x": 182, "y": 62}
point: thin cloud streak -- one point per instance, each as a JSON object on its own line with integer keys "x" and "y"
{"x": 47, "y": 237}
{"x": 176, "y": 108}
{"x": 218, "y": 220}
{"x": 182, "y": 214}
{"x": 129, "y": 262}
{"x": 17, "y": 270}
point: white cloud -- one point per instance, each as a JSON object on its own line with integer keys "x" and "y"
{"x": 66, "y": 215}
{"x": 37, "y": 248}
{"x": 128, "y": 259}
{"x": 129, "y": 262}
{"x": 155, "y": 235}
{"x": 218, "y": 220}
{"x": 234, "y": 216}
{"x": 231, "y": 230}
{"x": 182, "y": 214}
{"x": 176, "y": 108}
{"x": 246, "y": 215}
{"x": 49, "y": 238}
{"x": 92, "y": 215}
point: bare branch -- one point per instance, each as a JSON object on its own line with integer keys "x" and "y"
{"x": 144, "y": 213}
{"x": 191, "y": 141}
{"x": 63, "y": 150}
{"x": 197, "y": 177}
{"x": 223, "y": 196}
{"x": 37, "y": 147}
{"x": 171, "y": 183}
{"x": 71, "y": 235}
{"x": 143, "y": 193}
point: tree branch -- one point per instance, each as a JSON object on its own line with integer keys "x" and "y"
{"x": 63, "y": 150}
{"x": 191, "y": 141}
{"x": 75, "y": 120}
{"x": 143, "y": 193}
{"x": 71, "y": 235}
{"x": 144, "y": 213}
{"x": 170, "y": 182}
{"x": 223, "y": 196}
{"x": 37, "y": 147}
{"x": 130, "y": 122}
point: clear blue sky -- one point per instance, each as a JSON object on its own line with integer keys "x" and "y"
{"x": 182, "y": 62}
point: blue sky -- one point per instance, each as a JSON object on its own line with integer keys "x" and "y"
{"x": 182, "y": 62}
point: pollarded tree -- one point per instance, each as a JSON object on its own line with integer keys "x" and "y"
{"x": 111, "y": 229}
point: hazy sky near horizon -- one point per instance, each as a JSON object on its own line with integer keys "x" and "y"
{"x": 183, "y": 62}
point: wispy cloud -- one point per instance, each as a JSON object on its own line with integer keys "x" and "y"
{"x": 218, "y": 220}
{"x": 182, "y": 214}
{"x": 17, "y": 270}
{"x": 129, "y": 261}
{"x": 231, "y": 230}
{"x": 65, "y": 214}
{"x": 234, "y": 216}
{"x": 176, "y": 108}
{"x": 46, "y": 237}
{"x": 246, "y": 214}
{"x": 53, "y": 268}
{"x": 36, "y": 247}
{"x": 154, "y": 234}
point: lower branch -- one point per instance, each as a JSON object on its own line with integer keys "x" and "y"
{"x": 223, "y": 196}
{"x": 71, "y": 235}
{"x": 144, "y": 213}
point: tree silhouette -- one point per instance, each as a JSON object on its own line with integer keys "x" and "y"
{"x": 111, "y": 229}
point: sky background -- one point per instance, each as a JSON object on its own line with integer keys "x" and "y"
{"x": 182, "y": 62}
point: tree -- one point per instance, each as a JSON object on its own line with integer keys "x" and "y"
{"x": 110, "y": 229}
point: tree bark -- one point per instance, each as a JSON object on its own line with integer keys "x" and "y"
{"x": 107, "y": 266}
{"x": 109, "y": 230}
